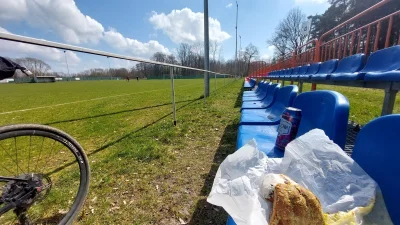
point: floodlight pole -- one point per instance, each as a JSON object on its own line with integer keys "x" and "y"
{"x": 236, "y": 58}
{"x": 240, "y": 56}
{"x": 206, "y": 52}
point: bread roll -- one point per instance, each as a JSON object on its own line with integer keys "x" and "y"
{"x": 292, "y": 203}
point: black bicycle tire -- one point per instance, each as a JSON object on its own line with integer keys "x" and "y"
{"x": 64, "y": 138}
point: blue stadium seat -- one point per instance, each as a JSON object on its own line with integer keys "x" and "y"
{"x": 296, "y": 70}
{"x": 284, "y": 98}
{"x": 326, "y": 110}
{"x": 288, "y": 73}
{"x": 267, "y": 102}
{"x": 376, "y": 151}
{"x": 272, "y": 74}
{"x": 325, "y": 70}
{"x": 383, "y": 65}
{"x": 249, "y": 83}
{"x": 260, "y": 96}
{"x": 313, "y": 69}
{"x": 283, "y": 72}
{"x": 303, "y": 72}
{"x": 349, "y": 67}
{"x": 258, "y": 91}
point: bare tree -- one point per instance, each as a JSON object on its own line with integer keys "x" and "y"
{"x": 215, "y": 53}
{"x": 214, "y": 49}
{"x": 184, "y": 52}
{"x": 250, "y": 52}
{"x": 171, "y": 59}
{"x": 36, "y": 66}
{"x": 288, "y": 36}
{"x": 159, "y": 57}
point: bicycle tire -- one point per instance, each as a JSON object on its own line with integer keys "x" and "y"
{"x": 71, "y": 144}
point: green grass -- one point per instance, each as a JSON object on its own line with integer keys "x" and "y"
{"x": 365, "y": 103}
{"x": 144, "y": 170}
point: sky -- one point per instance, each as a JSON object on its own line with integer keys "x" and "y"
{"x": 139, "y": 27}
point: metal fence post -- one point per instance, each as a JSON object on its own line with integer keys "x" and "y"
{"x": 215, "y": 81}
{"x": 206, "y": 52}
{"x": 171, "y": 71}
{"x": 389, "y": 100}
{"x": 300, "y": 87}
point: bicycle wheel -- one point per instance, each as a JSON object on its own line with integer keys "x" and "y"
{"x": 44, "y": 175}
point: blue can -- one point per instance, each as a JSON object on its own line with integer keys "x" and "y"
{"x": 288, "y": 128}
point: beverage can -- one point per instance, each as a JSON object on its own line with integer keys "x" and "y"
{"x": 288, "y": 127}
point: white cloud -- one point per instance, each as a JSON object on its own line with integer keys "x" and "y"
{"x": 271, "y": 48}
{"x": 265, "y": 57}
{"x": 132, "y": 46}
{"x": 186, "y": 26}
{"x": 17, "y": 49}
{"x": 64, "y": 18}
{"x": 268, "y": 54}
{"x": 310, "y": 1}
{"x": 229, "y": 5}
{"x": 120, "y": 63}
{"x": 60, "y": 16}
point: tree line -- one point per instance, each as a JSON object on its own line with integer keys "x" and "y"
{"x": 288, "y": 37}
{"x": 188, "y": 55}
{"x": 192, "y": 55}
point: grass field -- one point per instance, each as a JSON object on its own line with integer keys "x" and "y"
{"x": 365, "y": 104}
{"x": 145, "y": 170}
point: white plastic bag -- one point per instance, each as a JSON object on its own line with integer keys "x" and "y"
{"x": 311, "y": 160}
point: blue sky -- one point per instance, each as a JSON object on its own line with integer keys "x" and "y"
{"x": 139, "y": 28}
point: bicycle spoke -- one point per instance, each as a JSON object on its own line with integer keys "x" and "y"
{"x": 16, "y": 152}
{"x": 41, "y": 148}
{"x": 49, "y": 156}
{"x": 12, "y": 160}
{"x": 62, "y": 191}
{"x": 7, "y": 170}
{"x": 29, "y": 152}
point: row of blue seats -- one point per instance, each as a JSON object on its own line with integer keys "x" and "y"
{"x": 376, "y": 143}
{"x": 382, "y": 65}
{"x": 262, "y": 108}
{"x": 249, "y": 83}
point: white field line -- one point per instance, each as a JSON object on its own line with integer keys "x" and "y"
{"x": 88, "y": 100}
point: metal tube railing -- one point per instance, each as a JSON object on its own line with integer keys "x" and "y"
{"x": 34, "y": 41}
{"x": 376, "y": 6}
{"x": 343, "y": 45}
{"x": 44, "y": 43}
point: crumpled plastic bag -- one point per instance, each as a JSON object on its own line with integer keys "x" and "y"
{"x": 311, "y": 160}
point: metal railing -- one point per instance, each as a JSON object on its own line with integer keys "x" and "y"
{"x": 364, "y": 39}
{"x": 338, "y": 44}
{"x": 44, "y": 43}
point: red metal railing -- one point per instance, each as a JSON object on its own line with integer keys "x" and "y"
{"x": 364, "y": 39}
{"x": 359, "y": 40}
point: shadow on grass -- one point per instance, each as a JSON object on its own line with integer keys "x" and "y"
{"x": 206, "y": 213}
{"x": 118, "y": 112}
{"x": 124, "y": 136}
{"x": 54, "y": 219}
{"x": 238, "y": 102}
